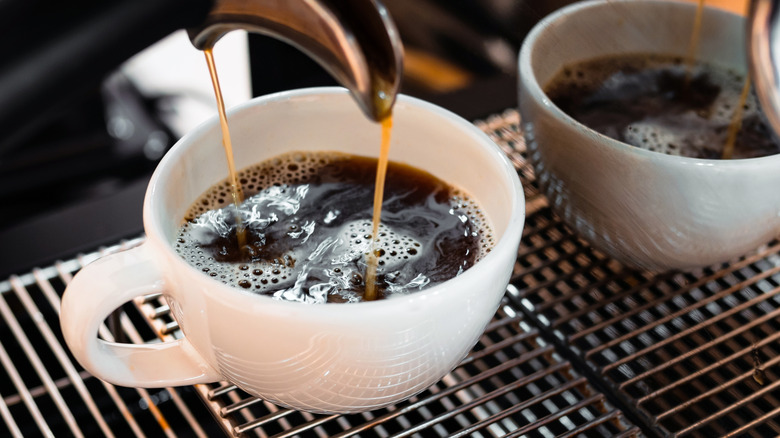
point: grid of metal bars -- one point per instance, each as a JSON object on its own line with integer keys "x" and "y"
{"x": 45, "y": 392}
{"x": 684, "y": 353}
{"x": 514, "y": 383}
{"x": 688, "y": 353}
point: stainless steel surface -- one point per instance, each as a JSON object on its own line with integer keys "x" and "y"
{"x": 764, "y": 56}
{"x": 355, "y": 41}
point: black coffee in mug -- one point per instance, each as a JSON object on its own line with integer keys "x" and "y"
{"x": 654, "y": 102}
{"x": 307, "y": 229}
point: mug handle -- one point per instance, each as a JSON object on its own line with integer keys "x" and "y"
{"x": 99, "y": 289}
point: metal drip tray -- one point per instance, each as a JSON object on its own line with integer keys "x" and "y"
{"x": 694, "y": 353}
{"x": 581, "y": 346}
{"x": 512, "y": 384}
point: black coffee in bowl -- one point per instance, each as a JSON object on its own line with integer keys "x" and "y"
{"x": 307, "y": 221}
{"x": 654, "y": 102}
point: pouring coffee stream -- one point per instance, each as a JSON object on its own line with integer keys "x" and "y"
{"x": 355, "y": 42}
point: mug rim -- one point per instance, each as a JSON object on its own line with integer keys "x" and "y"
{"x": 527, "y": 77}
{"x": 154, "y": 230}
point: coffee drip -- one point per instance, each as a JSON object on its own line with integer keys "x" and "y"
{"x": 690, "y": 59}
{"x": 236, "y": 192}
{"x": 379, "y": 189}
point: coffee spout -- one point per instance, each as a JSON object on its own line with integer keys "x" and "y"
{"x": 355, "y": 41}
{"x": 764, "y": 56}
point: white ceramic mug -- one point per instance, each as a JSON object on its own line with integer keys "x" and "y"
{"x": 645, "y": 208}
{"x": 321, "y": 358}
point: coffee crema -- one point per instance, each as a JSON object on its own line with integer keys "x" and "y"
{"x": 649, "y": 101}
{"x": 307, "y": 221}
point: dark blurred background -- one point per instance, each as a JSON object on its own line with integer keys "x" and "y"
{"x": 73, "y": 174}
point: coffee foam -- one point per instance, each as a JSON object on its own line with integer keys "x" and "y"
{"x": 673, "y": 135}
{"x": 286, "y": 169}
{"x": 215, "y": 212}
{"x": 633, "y": 77}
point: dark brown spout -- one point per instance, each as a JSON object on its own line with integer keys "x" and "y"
{"x": 354, "y": 40}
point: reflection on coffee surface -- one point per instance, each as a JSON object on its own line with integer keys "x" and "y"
{"x": 307, "y": 218}
{"x": 648, "y": 101}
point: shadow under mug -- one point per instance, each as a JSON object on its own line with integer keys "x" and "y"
{"x": 645, "y": 208}
{"x": 321, "y": 358}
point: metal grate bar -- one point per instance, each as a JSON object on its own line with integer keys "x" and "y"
{"x": 501, "y": 391}
{"x": 690, "y": 353}
{"x": 24, "y": 393}
{"x": 611, "y": 416}
{"x": 497, "y": 346}
{"x": 9, "y": 419}
{"x": 273, "y": 416}
{"x": 60, "y": 354}
{"x": 704, "y": 395}
{"x": 764, "y": 418}
{"x": 38, "y": 391}
{"x": 705, "y": 370}
{"x": 229, "y": 409}
{"x": 565, "y": 277}
{"x": 691, "y": 330}
{"x": 544, "y": 420}
{"x": 672, "y": 316}
{"x": 37, "y": 364}
{"x": 729, "y": 409}
{"x": 688, "y": 309}
{"x": 610, "y": 299}
{"x": 311, "y": 424}
{"x": 221, "y": 390}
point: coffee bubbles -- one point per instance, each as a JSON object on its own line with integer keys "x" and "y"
{"x": 655, "y": 103}
{"x": 307, "y": 221}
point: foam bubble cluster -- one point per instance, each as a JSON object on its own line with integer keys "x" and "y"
{"x": 654, "y": 102}
{"x": 286, "y": 169}
{"x": 302, "y": 245}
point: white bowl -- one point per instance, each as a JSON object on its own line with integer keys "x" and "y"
{"x": 321, "y": 358}
{"x": 647, "y": 209}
